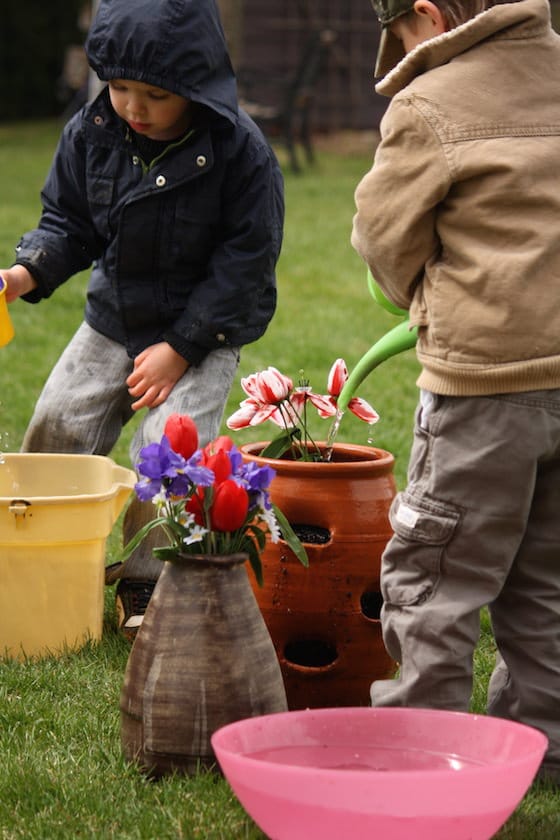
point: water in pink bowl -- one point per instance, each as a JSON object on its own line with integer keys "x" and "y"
{"x": 377, "y": 759}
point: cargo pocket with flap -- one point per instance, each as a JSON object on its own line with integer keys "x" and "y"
{"x": 412, "y": 564}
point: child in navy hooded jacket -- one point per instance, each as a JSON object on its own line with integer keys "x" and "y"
{"x": 168, "y": 189}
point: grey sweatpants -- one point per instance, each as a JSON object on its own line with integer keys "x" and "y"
{"x": 479, "y": 524}
{"x": 85, "y": 404}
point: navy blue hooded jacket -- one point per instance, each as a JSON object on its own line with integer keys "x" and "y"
{"x": 184, "y": 252}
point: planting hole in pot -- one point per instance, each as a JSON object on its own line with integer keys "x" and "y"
{"x": 371, "y": 603}
{"x": 314, "y": 534}
{"x": 310, "y": 653}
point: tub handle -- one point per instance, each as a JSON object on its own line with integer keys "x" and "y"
{"x": 19, "y": 508}
{"x": 123, "y": 485}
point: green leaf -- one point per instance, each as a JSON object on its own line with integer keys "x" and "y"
{"x": 139, "y": 536}
{"x": 278, "y": 446}
{"x": 255, "y": 560}
{"x": 290, "y": 537}
{"x": 258, "y": 534}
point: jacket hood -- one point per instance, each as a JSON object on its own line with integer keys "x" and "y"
{"x": 178, "y": 45}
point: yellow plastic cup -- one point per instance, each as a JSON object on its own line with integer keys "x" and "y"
{"x": 6, "y": 326}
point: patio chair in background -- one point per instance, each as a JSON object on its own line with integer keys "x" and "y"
{"x": 283, "y": 107}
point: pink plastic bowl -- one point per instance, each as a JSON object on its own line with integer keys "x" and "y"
{"x": 380, "y": 774}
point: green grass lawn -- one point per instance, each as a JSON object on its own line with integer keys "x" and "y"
{"x": 62, "y": 774}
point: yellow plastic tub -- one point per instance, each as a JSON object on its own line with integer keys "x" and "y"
{"x": 56, "y": 512}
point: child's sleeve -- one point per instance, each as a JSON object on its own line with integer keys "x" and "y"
{"x": 64, "y": 242}
{"x": 394, "y": 228}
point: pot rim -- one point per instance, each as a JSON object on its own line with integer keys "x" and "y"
{"x": 183, "y": 558}
{"x": 359, "y": 458}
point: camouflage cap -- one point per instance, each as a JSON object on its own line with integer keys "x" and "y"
{"x": 388, "y": 10}
{"x": 390, "y": 49}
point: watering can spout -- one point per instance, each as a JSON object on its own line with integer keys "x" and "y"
{"x": 400, "y": 338}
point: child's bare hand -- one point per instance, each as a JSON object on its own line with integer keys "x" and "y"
{"x": 156, "y": 370}
{"x": 19, "y": 282}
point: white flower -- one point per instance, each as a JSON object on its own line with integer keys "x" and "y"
{"x": 185, "y": 519}
{"x": 195, "y": 535}
{"x": 271, "y": 523}
{"x": 160, "y": 499}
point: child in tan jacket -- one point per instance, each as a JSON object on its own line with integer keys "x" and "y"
{"x": 458, "y": 222}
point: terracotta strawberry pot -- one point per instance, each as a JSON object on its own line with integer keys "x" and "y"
{"x": 324, "y": 620}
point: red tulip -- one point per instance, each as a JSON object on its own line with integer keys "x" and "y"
{"x": 223, "y": 443}
{"x": 195, "y": 505}
{"x": 220, "y": 465}
{"x": 338, "y": 375}
{"x": 269, "y": 387}
{"x": 182, "y": 434}
{"x": 251, "y": 413}
{"x": 230, "y": 506}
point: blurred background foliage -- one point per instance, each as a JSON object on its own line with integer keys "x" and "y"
{"x": 42, "y": 64}
{"x": 34, "y": 36}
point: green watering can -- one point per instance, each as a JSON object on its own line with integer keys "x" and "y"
{"x": 395, "y": 341}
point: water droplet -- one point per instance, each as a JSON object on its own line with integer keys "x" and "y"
{"x": 331, "y": 437}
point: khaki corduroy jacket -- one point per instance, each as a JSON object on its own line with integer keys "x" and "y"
{"x": 459, "y": 218}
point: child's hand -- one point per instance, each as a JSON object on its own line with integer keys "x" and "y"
{"x": 19, "y": 282}
{"x": 156, "y": 370}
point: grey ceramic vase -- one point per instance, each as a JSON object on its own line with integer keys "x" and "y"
{"x": 202, "y": 658}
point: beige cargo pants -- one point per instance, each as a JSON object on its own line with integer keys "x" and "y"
{"x": 479, "y": 524}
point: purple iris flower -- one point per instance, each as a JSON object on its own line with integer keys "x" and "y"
{"x": 236, "y": 461}
{"x": 249, "y": 474}
{"x": 258, "y": 478}
{"x": 164, "y": 469}
{"x": 257, "y": 481}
